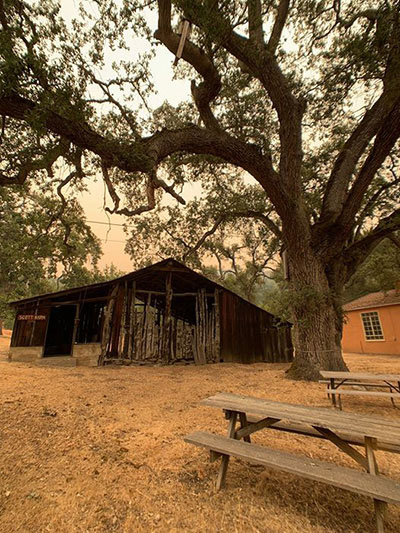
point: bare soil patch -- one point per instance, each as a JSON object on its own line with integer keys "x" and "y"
{"x": 100, "y": 449}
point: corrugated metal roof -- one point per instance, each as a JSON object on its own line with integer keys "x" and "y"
{"x": 375, "y": 299}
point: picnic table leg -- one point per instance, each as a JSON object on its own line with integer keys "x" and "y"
{"x": 392, "y": 399}
{"x": 380, "y": 506}
{"x": 243, "y": 424}
{"x": 333, "y": 395}
{"x": 225, "y": 458}
{"x": 397, "y": 389}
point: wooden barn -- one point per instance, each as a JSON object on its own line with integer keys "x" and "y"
{"x": 164, "y": 313}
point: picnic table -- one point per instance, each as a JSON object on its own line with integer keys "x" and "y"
{"x": 344, "y": 430}
{"x": 337, "y": 383}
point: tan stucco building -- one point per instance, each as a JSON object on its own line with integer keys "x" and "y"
{"x": 372, "y": 324}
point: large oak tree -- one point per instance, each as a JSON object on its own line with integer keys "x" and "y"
{"x": 303, "y": 96}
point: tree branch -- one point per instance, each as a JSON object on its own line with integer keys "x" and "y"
{"x": 384, "y": 142}
{"x": 206, "y": 91}
{"x": 348, "y": 157}
{"x": 105, "y": 87}
{"x": 146, "y": 154}
{"x": 263, "y": 65}
{"x": 370, "y": 14}
{"x": 127, "y": 156}
{"x": 205, "y": 236}
{"x": 44, "y": 163}
{"x": 153, "y": 183}
{"x": 395, "y": 240}
{"x": 356, "y": 253}
{"x": 369, "y": 206}
{"x": 232, "y": 216}
{"x": 279, "y": 24}
{"x": 374, "y": 119}
{"x": 255, "y": 22}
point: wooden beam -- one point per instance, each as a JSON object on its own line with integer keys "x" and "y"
{"x": 176, "y": 294}
{"x": 167, "y": 319}
{"x": 252, "y": 428}
{"x": 217, "y": 326}
{"x": 185, "y": 33}
{"x": 225, "y": 458}
{"x": 344, "y": 446}
{"x": 106, "y": 333}
{"x": 132, "y": 322}
{"x": 380, "y": 506}
{"x": 127, "y": 323}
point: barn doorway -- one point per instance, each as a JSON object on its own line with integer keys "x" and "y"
{"x": 60, "y": 331}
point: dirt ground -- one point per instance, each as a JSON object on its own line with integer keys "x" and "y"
{"x": 101, "y": 450}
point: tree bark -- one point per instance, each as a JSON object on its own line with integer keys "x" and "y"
{"x": 317, "y": 316}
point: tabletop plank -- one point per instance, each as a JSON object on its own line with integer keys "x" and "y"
{"x": 380, "y": 428}
{"x": 360, "y": 375}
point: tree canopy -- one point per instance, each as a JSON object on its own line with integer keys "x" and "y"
{"x": 45, "y": 246}
{"x": 379, "y": 272}
{"x": 40, "y": 242}
{"x": 300, "y": 99}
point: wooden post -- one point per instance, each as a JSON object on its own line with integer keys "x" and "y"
{"x": 165, "y": 354}
{"x": 34, "y": 324}
{"x": 105, "y": 337}
{"x": 203, "y": 300}
{"x": 149, "y": 331}
{"x": 199, "y": 329}
{"x": 139, "y": 333}
{"x": 380, "y": 506}
{"x": 127, "y": 321}
{"x": 116, "y": 322}
{"x": 217, "y": 327}
{"x": 196, "y": 331}
{"x": 132, "y": 321}
{"x": 144, "y": 328}
{"x": 76, "y": 325}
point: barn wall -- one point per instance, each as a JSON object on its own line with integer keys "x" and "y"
{"x": 25, "y": 354}
{"x": 27, "y": 331}
{"x": 248, "y": 334}
{"x": 86, "y": 354}
{"x": 165, "y": 312}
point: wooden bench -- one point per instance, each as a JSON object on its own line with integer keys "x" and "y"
{"x": 376, "y": 487}
{"x": 336, "y": 381}
{"x": 363, "y": 393}
{"x": 344, "y": 430}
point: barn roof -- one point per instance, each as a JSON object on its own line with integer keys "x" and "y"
{"x": 151, "y": 278}
{"x": 375, "y": 299}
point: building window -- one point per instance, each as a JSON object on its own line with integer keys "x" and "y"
{"x": 372, "y": 326}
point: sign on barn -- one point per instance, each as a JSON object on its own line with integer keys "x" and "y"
{"x": 31, "y": 317}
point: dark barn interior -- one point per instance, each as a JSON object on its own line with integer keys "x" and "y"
{"x": 162, "y": 313}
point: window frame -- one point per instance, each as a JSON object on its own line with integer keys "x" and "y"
{"x": 369, "y": 315}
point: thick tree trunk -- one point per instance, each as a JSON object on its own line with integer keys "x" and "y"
{"x": 317, "y": 317}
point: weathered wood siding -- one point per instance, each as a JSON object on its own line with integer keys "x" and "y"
{"x": 249, "y": 334}
{"x": 162, "y": 313}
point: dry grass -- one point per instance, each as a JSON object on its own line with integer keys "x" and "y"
{"x": 99, "y": 450}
